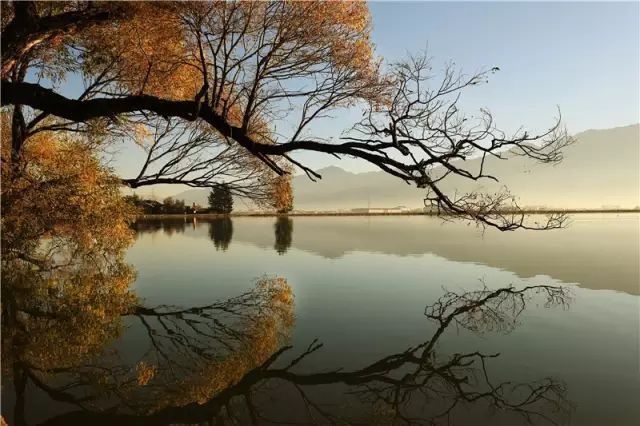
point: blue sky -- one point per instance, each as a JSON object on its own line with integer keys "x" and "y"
{"x": 582, "y": 57}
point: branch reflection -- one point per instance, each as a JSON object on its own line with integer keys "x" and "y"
{"x": 230, "y": 362}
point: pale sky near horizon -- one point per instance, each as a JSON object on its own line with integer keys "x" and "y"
{"x": 582, "y": 57}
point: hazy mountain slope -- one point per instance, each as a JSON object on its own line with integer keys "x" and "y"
{"x": 601, "y": 169}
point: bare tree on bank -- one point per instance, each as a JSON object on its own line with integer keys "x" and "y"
{"x": 229, "y": 92}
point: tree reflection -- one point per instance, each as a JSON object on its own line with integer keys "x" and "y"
{"x": 146, "y": 226}
{"x": 176, "y": 226}
{"x": 56, "y": 319}
{"x": 220, "y": 232}
{"x": 283, "y": 232}
{"x": 220, "y": 363}
{"x": 168, "y": 226}
{"x": 200, "y": 351}
{"x": 57, "y": 338}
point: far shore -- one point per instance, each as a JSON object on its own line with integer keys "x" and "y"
{"x": 321, "y": 214}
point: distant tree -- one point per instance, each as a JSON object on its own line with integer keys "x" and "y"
{"x": 281, "y": 194}
{"x": 167, "y": 204}
{"x": 145, "y": 206}
{"x": 220, "y": 199}
{"x": 151, "y": 207}
{"x": 133, "y": 199}
{"x": 171, "y": 206}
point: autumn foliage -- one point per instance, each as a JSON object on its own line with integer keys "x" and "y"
{"x": 60, "y": 193}
{"x": 281, "y": 195}
{"x": 231, "y": 59}
{"x": 228, "y": 92}
{"x": 264, "y": 330}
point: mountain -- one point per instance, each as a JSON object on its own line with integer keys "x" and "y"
{"x": 601, "y": 169}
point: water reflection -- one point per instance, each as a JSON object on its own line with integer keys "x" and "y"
{"x": 152, "y": 226}
{"x": 55, "y": 319}
{"x": 284, "y": 234}
{"x": 221, "y": 232}
{"x": 230, "y": 362}
{"x": 595, "y": 251}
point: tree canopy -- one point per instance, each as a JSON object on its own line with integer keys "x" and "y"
{"x": 281, "y": 194}
{"x": 221, "y": 199}
{"x": 230, "y": 92}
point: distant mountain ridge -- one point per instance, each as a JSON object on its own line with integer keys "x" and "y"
{"x": 600, "y": 170}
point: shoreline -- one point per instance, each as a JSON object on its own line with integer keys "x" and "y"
{"x": 328, "y": 214}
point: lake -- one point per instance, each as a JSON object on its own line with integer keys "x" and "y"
{"x": 363, "y": 320}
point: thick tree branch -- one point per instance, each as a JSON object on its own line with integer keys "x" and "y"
{"x": 45, "y": 99}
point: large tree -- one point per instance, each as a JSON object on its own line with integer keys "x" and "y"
{"x": 230, "y": 92}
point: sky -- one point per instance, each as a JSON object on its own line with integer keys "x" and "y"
{"x": 581, "y": 57}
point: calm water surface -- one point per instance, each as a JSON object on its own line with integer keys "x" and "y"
{"x": 389, "y": 320}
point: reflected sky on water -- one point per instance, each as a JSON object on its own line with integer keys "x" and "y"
{"x": 372, "y": 333}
